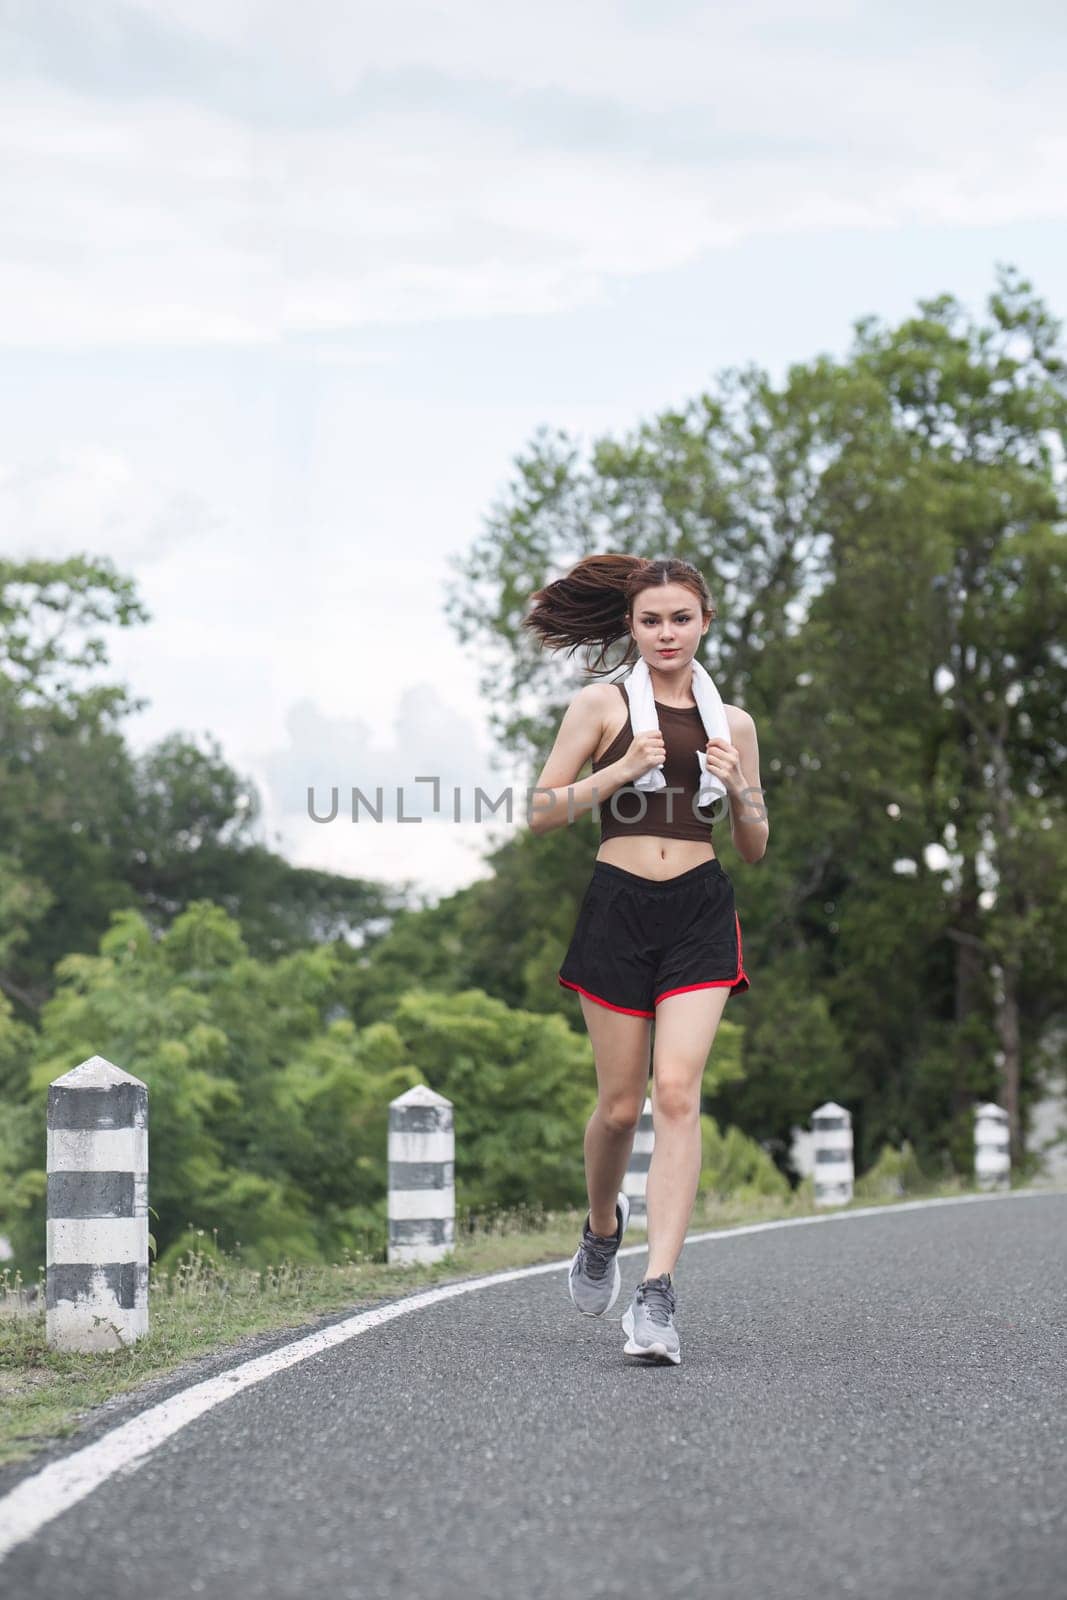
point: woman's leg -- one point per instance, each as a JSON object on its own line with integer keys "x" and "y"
{"x": 621, "y": 1052}
{"x": 686, "y": 1025}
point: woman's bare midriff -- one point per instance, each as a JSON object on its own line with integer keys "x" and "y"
{"x": 648, "y": 854}
{"x": 653, "y": 857}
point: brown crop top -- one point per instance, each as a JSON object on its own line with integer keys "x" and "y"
{"x": 648, "y": 810}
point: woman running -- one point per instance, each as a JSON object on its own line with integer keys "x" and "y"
{"x": 657, "y": 936}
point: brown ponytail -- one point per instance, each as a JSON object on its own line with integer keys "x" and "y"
{"x": 593, "y": 603}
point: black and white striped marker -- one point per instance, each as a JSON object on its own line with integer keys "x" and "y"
{"x": 635, "y": 1179}
{"x": 992, "y": 1147}
{"x": 422, "y": 1176}
{"x": 831, "y": 1127}
{"x": 96, "y": 1288}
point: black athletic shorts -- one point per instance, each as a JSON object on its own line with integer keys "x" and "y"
{"x": 638, "y": 940}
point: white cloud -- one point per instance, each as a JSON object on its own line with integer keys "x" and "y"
{"x": 645, "y": 55}
{"x": 90, "y": 499}
{"x": 432, "y": 742}
{"x": 435, "y": 859}
{"x": 518, "y": 163}
{"x": 430, "y": 738}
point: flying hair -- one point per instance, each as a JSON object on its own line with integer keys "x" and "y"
{"x": 593, "y": 603}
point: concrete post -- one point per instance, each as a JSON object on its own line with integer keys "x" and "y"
{"x": 635, "y": 1179}
{"x": 992, "y": 1147}
{"x": 831, "y": 1127}
{"x": 96, "y": 1286}
{"x": 422, "y": 1176}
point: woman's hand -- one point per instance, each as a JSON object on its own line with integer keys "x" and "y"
{"x": 724, "y": 760}
{"x": 647, "y": 751}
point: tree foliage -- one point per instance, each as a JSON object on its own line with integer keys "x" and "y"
{"x": 88, "y": 828}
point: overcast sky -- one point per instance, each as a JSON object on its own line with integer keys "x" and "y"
{"x": 284, "y": 289}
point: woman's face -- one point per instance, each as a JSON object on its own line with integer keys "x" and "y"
{"x": 668, "y": 625}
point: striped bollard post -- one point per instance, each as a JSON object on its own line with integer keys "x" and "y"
{"x": 422, "y": 1176}
{"x": 635, "y": 1179}
{"x": 96, "y": 1282}
{"x": 831, "y": 1127}
{"x": 992, "y": 1147}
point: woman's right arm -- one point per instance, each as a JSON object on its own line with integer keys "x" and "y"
{"x": 557, "y": 798}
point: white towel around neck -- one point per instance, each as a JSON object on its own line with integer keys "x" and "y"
{"x": 643, "y": 719}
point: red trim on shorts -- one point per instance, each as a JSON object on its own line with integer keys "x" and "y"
{"x": 716, "y": 983}
{"x": 629, "y": 1010}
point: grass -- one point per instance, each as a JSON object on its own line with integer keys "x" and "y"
{"x": 212, "y": 1303}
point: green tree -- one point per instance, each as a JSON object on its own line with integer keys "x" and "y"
{"x": 88, "y": 829}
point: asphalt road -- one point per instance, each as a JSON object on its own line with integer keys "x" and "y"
{"x": 874, "y": 1407}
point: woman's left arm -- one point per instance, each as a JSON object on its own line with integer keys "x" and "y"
{"x": 737, "y": 764}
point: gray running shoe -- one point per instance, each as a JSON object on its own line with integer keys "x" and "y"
{"x": 594, "y": 1279}
{"x": 648, "y": 1322}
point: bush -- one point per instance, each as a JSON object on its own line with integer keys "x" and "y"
{"x": 895, "y": 1173}
{"x": 731, "y": 1162}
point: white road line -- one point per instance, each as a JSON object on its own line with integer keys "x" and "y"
{"x": 46, "y": 1494}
